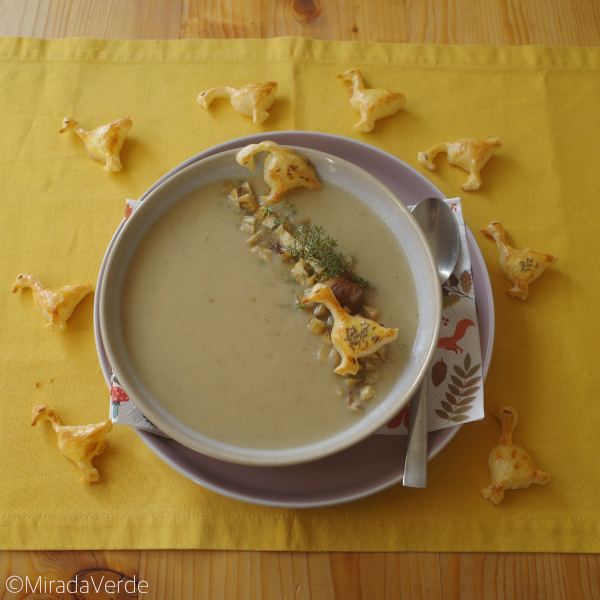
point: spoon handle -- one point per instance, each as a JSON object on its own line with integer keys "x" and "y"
{"x": 415, "y": 465}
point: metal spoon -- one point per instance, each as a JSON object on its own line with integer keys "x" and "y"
{"x": 441, "y": 230}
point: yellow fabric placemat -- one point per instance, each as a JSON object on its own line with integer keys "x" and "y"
{"x": 59, "y": 210}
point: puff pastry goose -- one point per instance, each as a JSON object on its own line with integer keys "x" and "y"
{"x": 352, "y": 337}
{"x": 55, "y": 305}
{"x": 81, "y": 444}
{"x": 511, "y": 466}
{"x": 252, "y": 100}
{"x": 103, "y": 143}
{"x": 521, "y": 267}
{"x": 371, "y": 103}
{"x": 284, "y": 170}
{"x": 471, "y": 155}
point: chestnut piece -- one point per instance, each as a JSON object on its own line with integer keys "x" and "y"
{"x": 346, "y": 292}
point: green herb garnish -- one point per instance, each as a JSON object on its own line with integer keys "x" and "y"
{"x": 314, "y": 246}
{"x": 300, "y": 306}
{"x": 281, "y": 220}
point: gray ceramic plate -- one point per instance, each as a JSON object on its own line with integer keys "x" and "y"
{"x": 370, "y": 466}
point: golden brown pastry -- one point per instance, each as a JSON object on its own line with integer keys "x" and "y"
{"x": 284, "y": 170}
{"x": 471, "y": 155}
{"x": 252, "y": 100}
{"x": 511, "y": 466}
{"x": 78, "y": 443}
{"x": 521, "y": 267}
{"x": 352, "y": 337}
{"x": 55, "y": 305}
{"x": 371, "y": 104}
{"x": 103, "y": 143}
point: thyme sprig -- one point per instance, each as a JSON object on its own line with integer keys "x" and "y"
{"x": 315, "y": 246}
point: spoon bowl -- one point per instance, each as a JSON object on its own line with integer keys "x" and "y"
{"x": 441, "y": 230}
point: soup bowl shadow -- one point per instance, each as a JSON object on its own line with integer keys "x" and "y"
{"x": 221, "y": 167}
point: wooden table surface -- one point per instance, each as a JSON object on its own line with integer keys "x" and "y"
{"x": 298, "y": 576}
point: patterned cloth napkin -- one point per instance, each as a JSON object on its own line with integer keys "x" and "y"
{"x": 455, "y": 375}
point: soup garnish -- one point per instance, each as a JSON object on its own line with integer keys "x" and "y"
{"x": 333, "y": 289}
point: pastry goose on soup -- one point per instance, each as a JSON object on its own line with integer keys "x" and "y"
{"x": 284, "y": 170}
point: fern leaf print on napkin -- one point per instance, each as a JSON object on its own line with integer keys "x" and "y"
{"x": 461, "y": 392}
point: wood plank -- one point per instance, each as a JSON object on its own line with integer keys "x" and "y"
{"x": 183, "y": 574}
{"x": 496, "y": 576}
{"x": 509, "y": 22}
{"x": 502, "y": 22}
{"x": 106, "y": 19}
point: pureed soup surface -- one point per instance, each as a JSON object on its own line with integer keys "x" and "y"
{"x": 215, "y": 333}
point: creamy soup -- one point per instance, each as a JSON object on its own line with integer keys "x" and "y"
{"x": 215, "y": 332}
